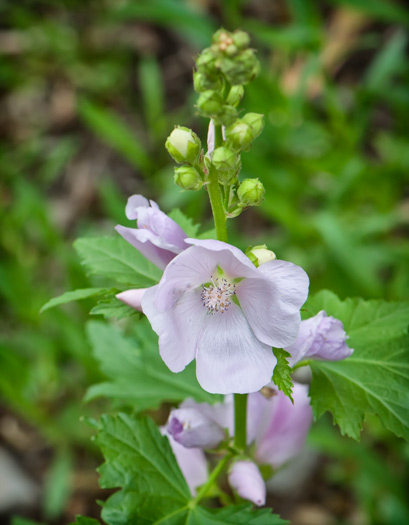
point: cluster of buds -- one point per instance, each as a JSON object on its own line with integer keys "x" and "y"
{"x": 221, "y": 71}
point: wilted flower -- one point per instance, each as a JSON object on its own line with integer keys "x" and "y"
{"x": 214, "y": 305}
{"x": 321, "y": 337}
{"x": 158, "y": 237}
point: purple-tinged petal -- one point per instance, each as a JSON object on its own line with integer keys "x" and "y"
{"x": 142, "y": 240}
{"x": 322, "y": 337}
{"x": 132, "y": 298}
{"x": 176, "y": 327}
{"x": 192, "y": 462}
{"x": 245, "y": 478}
{"x": 272, "y": 304}
{"x": 168, "y": 233}
{"x": 192, "y": 429}
{"x": 229, "y": 358}
{"x": 220, "y": 413}
{"x": 135, "y": 202}
{"x": 288, "y": 426}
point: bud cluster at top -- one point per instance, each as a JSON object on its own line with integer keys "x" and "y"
{"x": 221, "y": 72}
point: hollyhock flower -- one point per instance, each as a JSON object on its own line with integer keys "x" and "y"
{"x": 321, "y": 337}
{"x": 214, "y": 305}
{"x": 158, "y": 237}
{"x": 244, "y": 477}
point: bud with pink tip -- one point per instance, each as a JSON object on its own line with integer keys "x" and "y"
{"x": 245, "y": 478}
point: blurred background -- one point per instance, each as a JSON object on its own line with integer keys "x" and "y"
{"x": 89, "y": 92}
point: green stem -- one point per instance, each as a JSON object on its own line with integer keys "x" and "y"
{"x": 306, "y": 362}
{"x": 240, "y": 421}
{"x": 215, "y": 196}
{"x": 212, "y": 478}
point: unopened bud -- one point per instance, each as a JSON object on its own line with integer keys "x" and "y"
{"x": 241, "y": 39}
{"x": 239, "y": 136}
{"x": 224, "y": 159}
{"x": 188, "y": 178}
{"x": 204, "y": 82}
{"x": 205, "y": 62}
{"x": 183, "y": 145}
{"x": 240, "y": 69}
{"x": 251, "y": 192}
{"x": 235, "y": 95}
{"x": 260, "y": 255}
{"x": 255, "y": 121}
{"x": 210, "y": 103}
{"x": 192, "y": 429}
{"x": 245, "y": 478}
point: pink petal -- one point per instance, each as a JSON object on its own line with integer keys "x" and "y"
{"x": 177, "y": 327}
{"x": 272, "y": 304}
{"x": 135, "y": 202}
{"x": 132, "y": 298}
{"x": 229, "y": 358}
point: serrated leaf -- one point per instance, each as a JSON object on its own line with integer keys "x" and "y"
{"x": 74, "y": 295}
{"x": 375, "y": 379}
{"x": 137, "y": 375}
{"x": 113, "y": 257}
{"x": 186, "y": 223}
{"x": 140, "y": 461}
{"x": 113, "y": 307}
{"x": 282, "y": 373}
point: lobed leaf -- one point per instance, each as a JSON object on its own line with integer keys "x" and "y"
{"x": 282, "y": 373}
{"x": 375, "y": 379}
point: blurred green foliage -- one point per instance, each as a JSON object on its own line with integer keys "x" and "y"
{"x": 90, "y": 90}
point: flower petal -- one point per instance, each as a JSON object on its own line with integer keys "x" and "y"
{"x": 229, "y": 358}
{"x": 287, "y": 429}
{"x": 272, "y": 302}
{"x": 135, "y": 202}
{"x": 168, "y": 233}
{"x": 145, "y": 242}
{"x": 176, "y": 327}
{"x": 132, "y": 298}
{"x": 191, "y": 428}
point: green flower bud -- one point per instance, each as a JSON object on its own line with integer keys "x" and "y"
{"x": 205, "y": 62}
{"x": 240, "y": 69}
{"x": 260, "y": 255}
{"x": 210, "y": 103}
{"x": 231, "y": 50}
{"x": 241, "y": 39}
{"x": 251, "y": 192}
{"x": 188, "y": 178}
{"x": 255, "y": 121}
{"x": 224, "y": 159}
{"x": 183, "y": 145}
{"x": 227, "y": 116}
{"x": 239, "y": 136}
{"x": 235, "y": 95}
{"x": 204, "y": 82}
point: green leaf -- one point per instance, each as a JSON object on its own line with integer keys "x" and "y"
{"x": 140, "y": 461}
{"x": 82, "y": 520}
{"x": 186, "y": 223}
{"x": 234, "y": 514}
{"x": 137, "y": 375}
{"x": 282, "y": 373}
{"x": 113, "y": 257}
{"x": 375, "y": 379}
{"x": 112, "y": 130}
{"x": 110, "y": 306}
{"x": 57, "y": 488}
{"x": 74, "y": 295}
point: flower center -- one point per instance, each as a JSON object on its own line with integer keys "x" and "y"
{"x": 216, "y": 296}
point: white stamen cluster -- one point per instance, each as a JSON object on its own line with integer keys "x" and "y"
{"x": 215, "y": 297}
